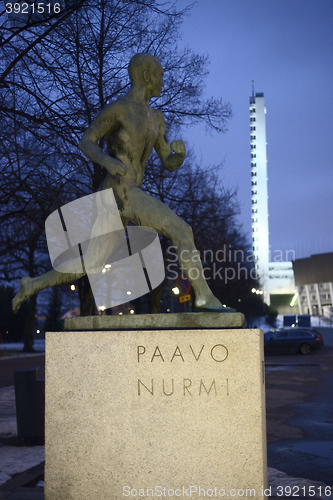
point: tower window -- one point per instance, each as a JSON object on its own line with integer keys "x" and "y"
{"x": 253, "y": 137}
{"x": 253, "y": 146}
{"x": 253, "y": 165}
{"x": 254, "y": 183}
{"x": 253, "y": 155}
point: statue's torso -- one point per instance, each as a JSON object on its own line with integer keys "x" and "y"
{"x": 132, "y": 138}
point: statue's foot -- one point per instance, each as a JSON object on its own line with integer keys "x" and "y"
{"x": 212, "y": 305}
{"x": 22, "y": 295}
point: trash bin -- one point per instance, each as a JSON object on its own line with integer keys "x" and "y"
{"x": 30, "y": 404}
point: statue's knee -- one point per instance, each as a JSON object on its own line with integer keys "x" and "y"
{"x": 181, "y": 234}
{"x": 187, "y": 232}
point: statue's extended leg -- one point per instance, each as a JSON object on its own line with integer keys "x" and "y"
{"x": 98, "y": 251}
{"x": 31, "y": 286}
{"x": 145, "y": 210}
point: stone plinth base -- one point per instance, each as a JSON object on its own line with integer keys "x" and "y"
{"x": 177, "y": 321}
{"x": 155, "y": 414}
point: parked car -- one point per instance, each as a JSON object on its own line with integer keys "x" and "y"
{"x": 292, "y": 340}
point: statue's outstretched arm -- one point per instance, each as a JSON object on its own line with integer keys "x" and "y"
{"x": 172, "y": 155}
{"x": 103, "y": 123}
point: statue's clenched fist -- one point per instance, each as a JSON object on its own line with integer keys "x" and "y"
{"x": 178, "y": 147}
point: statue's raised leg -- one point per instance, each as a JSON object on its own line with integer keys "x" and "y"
{"x": 148, "y": 211}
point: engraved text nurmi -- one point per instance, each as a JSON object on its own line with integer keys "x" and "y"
{"x": 184, "y": 387}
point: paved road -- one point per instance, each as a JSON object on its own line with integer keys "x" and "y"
{"x": 299, "y": 393}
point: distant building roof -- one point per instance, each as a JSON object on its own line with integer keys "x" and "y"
{"x": 253, "y": 98}
{"x": 315, "y": 269}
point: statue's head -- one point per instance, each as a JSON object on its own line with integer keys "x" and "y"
{"x": 146, "y": 70}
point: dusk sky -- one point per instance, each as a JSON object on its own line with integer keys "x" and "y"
{"x": 286, "y": 47}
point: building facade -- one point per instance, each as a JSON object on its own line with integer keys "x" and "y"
{"x": 259, "y": 195}
{"x": 275, "y": 278}
{"x": 314, "y": 283}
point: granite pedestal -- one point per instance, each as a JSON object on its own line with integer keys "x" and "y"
{"x": 146, "y": 413}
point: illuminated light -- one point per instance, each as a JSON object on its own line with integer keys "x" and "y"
{"x": 239, "y": 300}
{"x": 120, "y": 314}
{"x": 128, "y": 292}
{"x": 102, "y": 308}
{"x": 103, "y": 270}
{"x": 223, "y": 305}
{"x": 132, "y": 311}
{"x": 253, "y": 290}
{"x": 168, "y": 310}
{"x": 37, "y": 331}
{"x": 73, "y": 287}
{"x": 257, "y": 292}
{"x": 293, "y": 300}
{"x": 176, "y": 290}
{"x": 261, "y": 292}
{"x": 107, "y": 266}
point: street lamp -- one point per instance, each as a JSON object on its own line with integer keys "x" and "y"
{"x": 72, "y": 289}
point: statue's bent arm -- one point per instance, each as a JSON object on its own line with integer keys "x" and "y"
{"x": 104, "y": 122}
{"x": 172, "y": 155}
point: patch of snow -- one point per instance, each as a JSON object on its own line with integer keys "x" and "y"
{"x": 278, "y": 479}
{"x": 15, "y": 459}
{"x": 38, "y": 345}
{"x": 22, "y": 355}
{"x": 316, "y": 321}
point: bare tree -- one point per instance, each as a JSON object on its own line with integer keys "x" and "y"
{"x": 57, "y": 88}
{"x": 25, "y": 24}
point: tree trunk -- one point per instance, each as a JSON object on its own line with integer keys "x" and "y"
{"x": 86, "y": 297}
{"x": 193, "y": 308}
{"x": 155, "y": 299}
{"x": 28, "y": 333}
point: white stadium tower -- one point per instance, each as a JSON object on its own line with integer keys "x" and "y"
{"x": 276, "y": 278}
